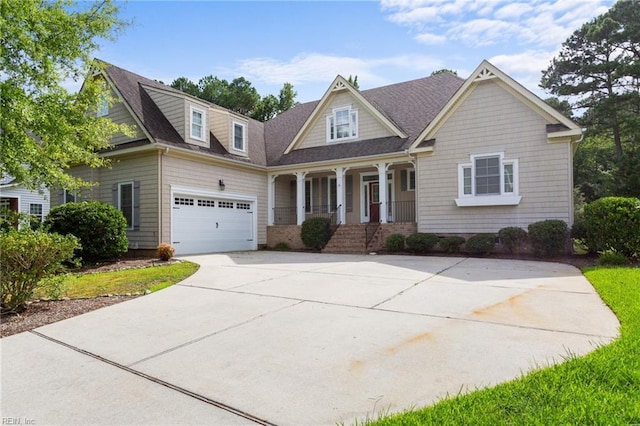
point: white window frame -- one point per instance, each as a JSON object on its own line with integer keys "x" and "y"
{"x": 69, "y": 194}
{"x": 203, "y": 124}
{"x": 40, "y": 215}
{"x": 353, "y": 124}
{"x": 502, "y": 199}
{"x": 103, "y": 107}
{"x": 244, "y": 136}
{"x": 130, "y": 226}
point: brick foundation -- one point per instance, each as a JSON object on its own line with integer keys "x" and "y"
{"x": 378, "y": 241}
{"x": 289, "y": 234}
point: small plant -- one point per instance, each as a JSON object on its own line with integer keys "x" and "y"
{"x": 55, "y": 287}
{"x": 315, "y": 232}
{"x": 27, "y": 257}
{"x": 612, "y": 258}
{"x": 395, "y": 242}
{"x": 512, "y": 238}
{"x": 548, "y": 238}
{"x": 481, "y": 244}
{"x": 451, "y": 244}
{"x": 421, "y": 243}
{"x": 166, "y": 251}
{"x": 100, "y": 227}
{"x": 282, "y": 246}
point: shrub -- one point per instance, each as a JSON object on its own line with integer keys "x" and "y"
{"x": 282, "y": 246}
{"x": 512, "y": 238}
{"x": 481, "y": 244}
{"x": 578, "y": 229}
{"x": 315, "y": 232}
{"x": 27, "y": 257}
{"x": 100, "y": 227}
{"x": 451, "y": 244}
{"x": 612, "y": 258}
{"x": 166, "y": 251}
{"x": 395, "y": 242}
{"x": 548, "y": 238}
{"x": 421, "y": 243}
{"x": 612, "y": 223}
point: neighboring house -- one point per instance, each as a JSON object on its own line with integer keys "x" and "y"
{"x": 439, "y": 154}
{"x": 16, "y": 198}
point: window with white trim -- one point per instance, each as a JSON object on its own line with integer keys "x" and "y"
{"x": 69, "y": 196}
{"x": 488, "y": 180}
{"x": 238, "y": 136}
{"x": 198, "y": 123}
{"x": 125, "y": 202}
{"x": 411, "y": 180}
{"x": 308, "y": 196}
{"x": 35, "y": 211}
{"x": 342, "y": 124}
{"x": 103, "y": 106}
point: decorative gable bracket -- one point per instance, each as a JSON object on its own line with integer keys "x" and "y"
{"x": 485, "y": 74}
{"x": 338, "y": 85}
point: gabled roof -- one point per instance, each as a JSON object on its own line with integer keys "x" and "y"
{"x": 132, "y": 88}
{"x": 409, "y": 105}
{"x": 487, "y": 71}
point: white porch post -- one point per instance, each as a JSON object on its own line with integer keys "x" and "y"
{"x": 271, "y": 199}
{"x": 300, "y": 197}
{"x": 341, "y": 194}
{"x": 382, "y": 182}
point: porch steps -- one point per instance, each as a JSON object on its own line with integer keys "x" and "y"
{"x": 347, "y": 239}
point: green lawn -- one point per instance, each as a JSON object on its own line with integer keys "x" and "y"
{"x": 601, "y": 388}
{"x": 128, "y": 281}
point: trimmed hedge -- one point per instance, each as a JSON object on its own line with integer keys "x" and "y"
{"x": 421, "y": 242}
{"x": 548, "y": 238}
{"x": 481, "y": 244}
{"x": 451, "y": 244}
{"x": 613, "y": 223}
{"x": 315, "y": 232}
{"x": 512, "y": 238}
{"x": 395, "y": 242}
{"x": 100, "y": 227}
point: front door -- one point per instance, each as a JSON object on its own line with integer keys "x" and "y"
{"x": 374, "y": 205}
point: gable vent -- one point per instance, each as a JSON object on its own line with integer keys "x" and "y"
{"x": 338, "y": 86}
{"x": 485, "y": 74}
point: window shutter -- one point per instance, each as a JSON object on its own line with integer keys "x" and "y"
{"x": 114, "y": 195}
{"x": 348, "y": 192}
{"x": 136, "y": 205}
{"x": 61, "y": 197}
{"x": 292, "y": 195}
{"x": 324, "y": 200}
{"x": 315, "y": 182}
{"x": 403, "y": 180}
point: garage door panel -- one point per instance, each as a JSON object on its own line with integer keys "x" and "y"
{"x": 211, "y": 225}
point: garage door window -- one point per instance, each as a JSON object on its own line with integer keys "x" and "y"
{"x": 243, "y": 206}
{"x": 225, "y": 204}
{"x": 206, "y": 203}
{"x": 179, "y": 201}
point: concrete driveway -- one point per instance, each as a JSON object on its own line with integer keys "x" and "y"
{"x": 295, "y": 338}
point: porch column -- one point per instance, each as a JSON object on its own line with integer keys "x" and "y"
{"x": 300, "y": 197}
{"x": 341, "y": 194}
{"x": 271, "y": 199}
{"x": 382, "y": 182}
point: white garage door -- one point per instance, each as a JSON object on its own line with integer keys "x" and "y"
{"x": 206, "y": 225}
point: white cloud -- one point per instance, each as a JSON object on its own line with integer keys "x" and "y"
{"x": 513, "y": 10}
{"x": 427, "y": 38}
{"x": 525, "y": 67}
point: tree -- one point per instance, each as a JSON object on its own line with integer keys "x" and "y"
{"x": 239, "y": 95}
{"x": 444, "y": 71}
{"x": 599, "y": 65}
{"x": 353, "y": 81}
{"x": 44, "y": 128}
{"x": 563, "y": 107}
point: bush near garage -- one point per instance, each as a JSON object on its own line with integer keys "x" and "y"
{"x": 451, "y": 244}
{"x": 548, "y": 238}
{"x": 421, "y": 242}
{"x": 26, "y": 257}
{"x": 481, "y": 244}
{"x": 166, "y": 251}
{"x": 395, "y": 242}
{"x": 100, "y": 227}
{"x": 613, "y": 223}
{"x": 315, "y": 232}
{"x": 512, "y": 238}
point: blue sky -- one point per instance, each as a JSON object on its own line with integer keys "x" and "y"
{"x": 307, "y": 43}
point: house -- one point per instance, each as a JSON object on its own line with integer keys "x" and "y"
{"x": 438, "y": 154}
{"x": 18, "y": 199}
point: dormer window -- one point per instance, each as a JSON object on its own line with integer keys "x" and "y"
{"x": 239, "y": 136}
{"x": 342, "y": 124}
{"x": 103, "y": 106}
{"x": 198, "y": 123}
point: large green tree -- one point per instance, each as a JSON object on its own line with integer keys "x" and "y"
{"x": 45, "y": 129}
{"x": 598, "y": 71}
{"x": 238, "y": 95}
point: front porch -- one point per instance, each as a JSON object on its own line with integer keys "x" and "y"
{"x": 381, "y": 193}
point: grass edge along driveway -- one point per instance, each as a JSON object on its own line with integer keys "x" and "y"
{"x": 600, "y": 388}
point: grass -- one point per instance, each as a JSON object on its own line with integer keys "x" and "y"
{"x": 601, "y": 388}
{"x": 128, "y": 281}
